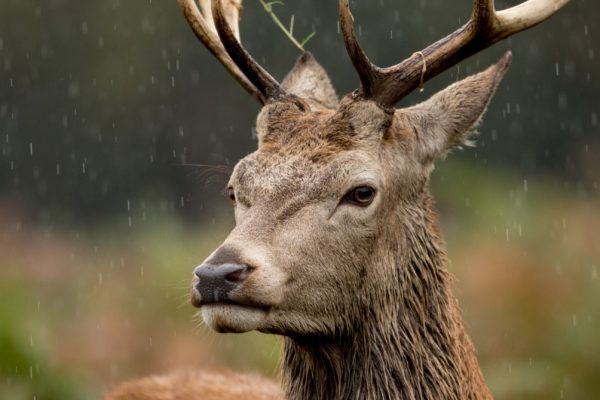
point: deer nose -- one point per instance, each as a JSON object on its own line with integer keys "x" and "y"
{"x": 216, "y": 282}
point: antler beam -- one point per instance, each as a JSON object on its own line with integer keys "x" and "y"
{"x": 206, "y": 33}
{"x": 262, "y": 80}
{"x": 487, "y": 26}
{"x": 220, "y": 35}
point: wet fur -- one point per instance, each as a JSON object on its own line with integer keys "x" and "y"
{"x": 362, "y": 299}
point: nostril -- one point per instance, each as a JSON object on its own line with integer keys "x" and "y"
{"x": 239, "y": 275}
{"x": 225, "y": 273}
{"x": 214, "y": 283}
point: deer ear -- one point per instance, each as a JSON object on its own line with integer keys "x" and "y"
{"x": 309, "y": 81}
{"x": 448, "y": 118}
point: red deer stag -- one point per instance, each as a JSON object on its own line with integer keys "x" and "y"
{"x": 336, "y": 245}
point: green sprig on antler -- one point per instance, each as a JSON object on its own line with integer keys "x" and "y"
{"x": 289, "y": 32}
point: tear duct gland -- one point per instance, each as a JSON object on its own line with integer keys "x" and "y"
{"x": 358, "y": 289}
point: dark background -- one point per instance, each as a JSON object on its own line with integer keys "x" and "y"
{"x": 117, "y": 132}
{"x": 102, "y": 102}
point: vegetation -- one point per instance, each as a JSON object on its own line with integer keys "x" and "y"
{"x": 84, "y": 309}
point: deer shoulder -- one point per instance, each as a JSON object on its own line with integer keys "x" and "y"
{"x": 198, "y": 385}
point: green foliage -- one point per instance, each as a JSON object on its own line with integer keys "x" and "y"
{"x": 112, "y": 303}
{"x": 25, "y": 371}
{"x": 289, "y": 32}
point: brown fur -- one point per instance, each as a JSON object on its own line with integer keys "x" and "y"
{"x": 198, "y": 385}
{"x": 360, "y": 294}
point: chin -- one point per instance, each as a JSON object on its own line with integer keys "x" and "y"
{"x": 231, "y": 318}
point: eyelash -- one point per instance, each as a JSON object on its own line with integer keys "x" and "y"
{"x": 352, "y": 197}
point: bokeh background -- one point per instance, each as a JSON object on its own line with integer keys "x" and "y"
{"x": 117, "y": 133}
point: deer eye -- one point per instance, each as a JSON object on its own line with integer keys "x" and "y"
{"x": 231, "y": 194}
{"x": 360, "y": 196}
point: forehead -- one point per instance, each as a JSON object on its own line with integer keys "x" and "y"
{"x": 266, "y": 174}
{"x": 306, "y": 152}
{"x": 315, "y": 136}
{"x": 279, "y": 172}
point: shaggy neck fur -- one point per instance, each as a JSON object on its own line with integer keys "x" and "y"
{"x": 413, "y": 348}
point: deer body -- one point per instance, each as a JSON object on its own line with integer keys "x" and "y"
{"x": 336, "y": 245}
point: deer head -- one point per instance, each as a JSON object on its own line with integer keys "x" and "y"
{"x": 334, "y": 223}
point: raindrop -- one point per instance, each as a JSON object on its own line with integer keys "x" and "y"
{"x": 73, "y": 90}
{"x": 563, "y": 101}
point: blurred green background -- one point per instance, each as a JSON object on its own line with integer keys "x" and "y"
{"x": 117, "y": 132}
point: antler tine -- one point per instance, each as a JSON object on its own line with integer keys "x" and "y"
{"x": 233, "y": 15}
{"x": 262, "y": 80}
{"x": 486, "y": 27}
{"x": 527, "y": 15}
{"x": 208, "y": 36}
{"x": 368, "y": 73}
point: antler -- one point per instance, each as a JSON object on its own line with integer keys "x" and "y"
{"x": 221, "y": 37}
{"x": 263, "y": 81}
{"x": 487, "y": 26}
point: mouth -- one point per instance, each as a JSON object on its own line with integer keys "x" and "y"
{"x": 233, "y": 318}
{"x": 198, "y": 302}
{"x": 230, "y": 315}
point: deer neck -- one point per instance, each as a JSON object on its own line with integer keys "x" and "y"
{"x": 416, "y": 348}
